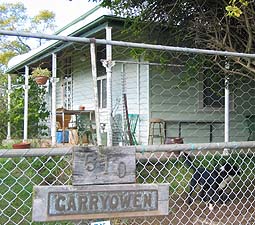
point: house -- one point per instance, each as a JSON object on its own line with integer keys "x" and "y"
{"x": 183, "y": 92}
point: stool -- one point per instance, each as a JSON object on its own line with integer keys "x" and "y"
{"x": 156, "y": 130}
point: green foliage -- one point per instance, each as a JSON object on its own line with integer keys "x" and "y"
{"x": 235, "y": 7}
{"x": 44, "y": 16}
{"x": 14, "y": 17}
{"x": 38, "y": 71}
{"x": 3, "y": 107}
{"x": 43, "y": 21}
{"x": 37, "y": 110}
{"x": 217, "y": 25}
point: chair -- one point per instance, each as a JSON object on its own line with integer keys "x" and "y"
{"x": 133, "y": 120}
{"x": 156, "y": 130}
{"x": 85, "y": 130}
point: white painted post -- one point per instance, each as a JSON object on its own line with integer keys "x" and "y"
{"x": 94, "y": 77}
{"x": 138, "y": 69}
{"x": 226, "y": 136}
{"x": 124, "y": 90}
{"x": 53, "y": 96}
{"x": 9, "y": 107}
{"x": 26, "y": 87}
{"x": 226, "y": 122}
{"x": 109, "y": 84}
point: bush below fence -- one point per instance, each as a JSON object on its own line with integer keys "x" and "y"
{"x": 18, "y": 176}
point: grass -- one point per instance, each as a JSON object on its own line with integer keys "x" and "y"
{"x": 19, "y": 175}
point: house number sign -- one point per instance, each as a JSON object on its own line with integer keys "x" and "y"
{"x": 103, "y": 166}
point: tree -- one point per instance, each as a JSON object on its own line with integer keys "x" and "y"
{"x": 14, "y": 17}
{"x": 208, "y": 24}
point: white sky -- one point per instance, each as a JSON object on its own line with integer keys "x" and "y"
{"x": 65, "y": 10}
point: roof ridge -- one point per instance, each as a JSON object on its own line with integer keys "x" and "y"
{"x": 82, "y": 17}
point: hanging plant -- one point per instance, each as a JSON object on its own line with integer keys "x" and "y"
{"x": 41, "y": 75}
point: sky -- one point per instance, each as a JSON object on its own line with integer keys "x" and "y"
{"x": 65, "y": 10}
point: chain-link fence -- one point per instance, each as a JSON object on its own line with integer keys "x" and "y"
{"x": 19, "y": 174}
{"x": 188, "y": 176}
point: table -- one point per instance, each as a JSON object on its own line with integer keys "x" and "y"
{"x": 64, "y": 112}
{"x": 211, "y": 124}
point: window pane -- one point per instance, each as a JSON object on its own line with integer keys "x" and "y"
{"x": 101, "y": 54}
{"x": 99, "y": 92}
{"x": 68, "y": 66}
{"x": 104, "y": 94}
{"x": 68, "y": 88}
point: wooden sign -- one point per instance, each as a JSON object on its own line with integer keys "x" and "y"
{"x": 51, "y": 203}
{"x": 95, "y": 165}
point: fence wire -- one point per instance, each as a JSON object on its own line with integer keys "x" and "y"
{"x": 232, "y": 202}
{"x": 185, "y": 88}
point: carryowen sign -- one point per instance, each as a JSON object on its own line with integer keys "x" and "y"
{"x": 102, "y": 201}
{"x": 97, "y": 201}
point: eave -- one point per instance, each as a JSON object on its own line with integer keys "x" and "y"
{"x": 54, "y": 46}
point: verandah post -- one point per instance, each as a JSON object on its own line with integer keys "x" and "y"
{"x": 9, "y": 107}
{"x": 94, "y": 76}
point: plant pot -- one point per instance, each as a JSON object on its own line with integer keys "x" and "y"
{"x": 21, "y": 145}
{"x": 41, "y": 80}
{"x": 174, "y": 140}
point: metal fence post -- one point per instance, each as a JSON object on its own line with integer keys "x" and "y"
{"x": 109, "y": 84}
{"x": 53, "y": 107}
{"x": 26, "y": 87}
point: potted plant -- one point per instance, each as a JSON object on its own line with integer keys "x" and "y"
{"x": 41, "y": 75}
{"x": 21, "y": 145}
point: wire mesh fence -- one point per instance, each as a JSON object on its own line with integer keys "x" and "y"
{"x": 200, "y": 98}
{"x": 188, "y": 92}
{"x": 201, "y": 95}
{"x": 202, "y": 188}
{"x": 19, "y": 175}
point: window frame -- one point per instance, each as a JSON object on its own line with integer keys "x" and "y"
{"x": 102, "y": 98}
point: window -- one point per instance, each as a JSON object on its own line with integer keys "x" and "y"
{"x": 213, "y": 91}
{"x": 101, "y": 78}
{"x": 101, "y": 88}
{"x": 212, "y": 94}
{"x": 68, "y": 83}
